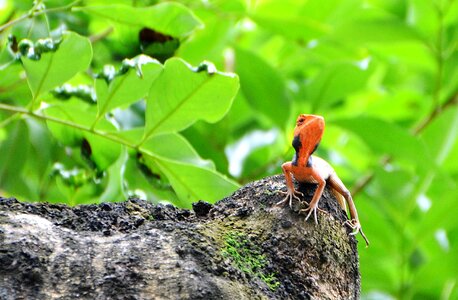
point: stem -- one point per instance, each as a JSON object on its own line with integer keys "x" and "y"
{"x": 29, "y": 31}
{"x": 452, "y": 101}
{"x": 364, "y": 181}
{"x": 48, "y": 28}
{"x": 438, "y": 108}
{"x": 33, "y": 114}
{"x": 99, "y": 36}
{"x": 425, "y": 182}
{"x": 439, "y": 58}
{"x": 14, "y": 22}
{"x": 32, "y": 14}
{"x": 10, "y": 119}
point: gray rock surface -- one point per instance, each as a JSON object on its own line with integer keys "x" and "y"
{"x": 243, "y": 247}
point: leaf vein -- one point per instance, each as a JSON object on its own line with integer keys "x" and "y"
{"x": 178, "y": 106}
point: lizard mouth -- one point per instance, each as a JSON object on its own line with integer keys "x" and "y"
{"x": 304, "y": 119}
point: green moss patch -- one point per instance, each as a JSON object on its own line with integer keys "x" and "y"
{"x": 247, "y": 257}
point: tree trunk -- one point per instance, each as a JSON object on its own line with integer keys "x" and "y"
{"x": 243, "y": 247}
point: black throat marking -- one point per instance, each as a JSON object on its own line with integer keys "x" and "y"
{"x": 297, "y": 146}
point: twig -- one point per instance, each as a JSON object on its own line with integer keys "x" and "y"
{"x": 436, "y": 112}
{"x": 438, "y": 108}
{"x": 364, "y": 181}
{"x": 32, "y": 14}
{"x": 106, "y": 135}
{"x": 100, "y": 36}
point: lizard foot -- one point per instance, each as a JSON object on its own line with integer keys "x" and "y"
{"x": 312, "y": 209}
{"x": 289, "y": 198}
{"x": 356, "y": 227}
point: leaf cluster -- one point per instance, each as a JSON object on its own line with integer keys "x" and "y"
{"x": 124, "y": 106}
{"x": 94, "y": 152}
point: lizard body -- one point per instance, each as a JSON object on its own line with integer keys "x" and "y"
{"x": 306, "y": 167}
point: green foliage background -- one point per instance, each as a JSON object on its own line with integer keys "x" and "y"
{"x": 102, "y": 100}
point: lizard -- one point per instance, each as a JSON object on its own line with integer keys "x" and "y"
{"x": 308, "y": 168}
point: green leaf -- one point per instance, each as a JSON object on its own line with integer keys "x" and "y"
{"x": 68, "y": 135}
{"x": 255, "y": 160}
{"x": 168, "y": 18}
{"x": 423, "y": 15}
{"x": 14, "y": 152}
{"x": 375, "y": 30}
{"x": 290, "y": 18}
{"x": 181, "y": 96}
{"x": 192, "y": 177}
{"x": 152, "y": 186}
{"x": 132, "y": 136}
{"x": 218, "y": 134}
{"x": 104, "y": 152}
{"x": 386, "y": 138}
{"x": 192, "y": 183}
{"x": 42, "y": 153}
{"x": 397, "y": 183}
{"x": 127, "y": 88}
{"x": 115, "y": 185}
{"x": 13, "y": 85}
{"x": 438, "y": 215}
{"x": 73, "y": 55}
{"x": 174, "y": 146}
{"x": 263, "y": 86}
{"x": 441, "y": 135}
{"x": 336, "y": 82}
{"x": 207, "y": 44}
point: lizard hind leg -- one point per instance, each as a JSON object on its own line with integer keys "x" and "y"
{"x": 353, "y": 223}
{"x": 340, "y": 199}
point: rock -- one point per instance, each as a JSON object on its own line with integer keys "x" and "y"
{"x": 242, "y": 247}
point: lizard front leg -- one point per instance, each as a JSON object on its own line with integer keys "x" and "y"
{"x": 313, "y": 206}
{"x": 291, "y": 193}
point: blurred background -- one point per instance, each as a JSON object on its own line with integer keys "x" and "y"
{"x": 383, "y": 73}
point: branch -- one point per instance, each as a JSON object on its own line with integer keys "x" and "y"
{"x": 435, "y": 113}
{"x": 364, "y": 181}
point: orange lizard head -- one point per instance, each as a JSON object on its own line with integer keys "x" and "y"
{"x": 309, "y": 130}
